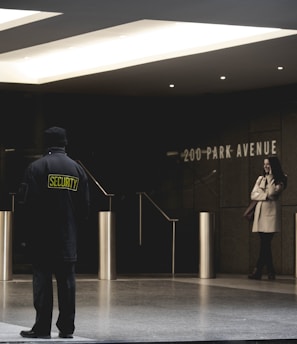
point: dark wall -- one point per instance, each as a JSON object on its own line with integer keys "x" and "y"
{"x": 124, "y": 141}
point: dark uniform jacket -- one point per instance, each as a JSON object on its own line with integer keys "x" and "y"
{"x": 55, "y": 194}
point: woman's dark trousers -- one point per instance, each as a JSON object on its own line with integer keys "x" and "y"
{"x": 265, "y": 255}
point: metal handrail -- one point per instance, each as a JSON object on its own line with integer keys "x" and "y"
{"x": 13, "y": 195}
{"x": 97, "y": 183}
{"x": 166, "y": 217}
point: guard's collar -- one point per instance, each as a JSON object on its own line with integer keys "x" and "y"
{"x": 55, "y": 149}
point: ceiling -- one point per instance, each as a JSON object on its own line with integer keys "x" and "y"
{"x": 247, "y": 67}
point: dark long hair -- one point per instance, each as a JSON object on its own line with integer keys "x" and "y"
{"x": 277, "y": 171}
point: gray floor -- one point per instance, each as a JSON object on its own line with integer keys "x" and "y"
{"x": 152, "y": 309}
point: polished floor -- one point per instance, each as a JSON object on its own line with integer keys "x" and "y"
{"x": 160, "y": 308}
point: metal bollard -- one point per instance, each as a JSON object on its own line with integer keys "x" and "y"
{"x": 206, "y": 236}
{"x": 295, "y": 245}
{"x": 6, "y": 245}
{"x": 107, "y": 246}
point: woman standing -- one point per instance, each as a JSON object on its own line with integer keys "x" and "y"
{"x": 267, "y": 219}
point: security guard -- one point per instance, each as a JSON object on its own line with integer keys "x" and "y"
{"x": 55, "y": 195}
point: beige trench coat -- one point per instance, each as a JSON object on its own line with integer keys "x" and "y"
{"x": 267, "y": 216}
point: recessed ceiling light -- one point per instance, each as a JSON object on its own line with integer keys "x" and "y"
{"x": 280, "y": 67}
{"x": 222, "y": 77}
{"x": 11, "y": 18}
{"x": 123, "y": 46}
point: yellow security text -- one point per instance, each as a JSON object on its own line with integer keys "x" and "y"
{"x": 60, "y": 181}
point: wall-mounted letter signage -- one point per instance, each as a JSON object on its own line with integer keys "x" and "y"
{"x": 241, "y": 150}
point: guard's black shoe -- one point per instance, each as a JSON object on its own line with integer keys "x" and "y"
{"x": 33, "y": 334}
{"x": 65, "y": 335}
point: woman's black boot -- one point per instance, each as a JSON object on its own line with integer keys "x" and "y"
{"x": 256, "y": 275}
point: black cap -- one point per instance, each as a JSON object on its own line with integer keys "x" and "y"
{"x": 55, "y": 136}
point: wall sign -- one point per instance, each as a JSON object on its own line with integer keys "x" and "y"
{"x": 241, "y": 150}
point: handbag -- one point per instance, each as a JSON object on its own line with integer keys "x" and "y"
{"x": 250, "y": 210}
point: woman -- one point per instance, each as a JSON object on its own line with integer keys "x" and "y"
{"x": 267, "y": 219}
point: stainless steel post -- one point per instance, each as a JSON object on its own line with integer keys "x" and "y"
{"x": 206, "y": 236}
{"x": 107, "y": 246}
{"x": 296, "y": 245}
{"x": 5, "y": 245}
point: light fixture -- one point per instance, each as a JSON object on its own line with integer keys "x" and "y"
{"x": 122, "y": 46}
{"x": 12, "y": 17}
{"x": 172, "y": 153}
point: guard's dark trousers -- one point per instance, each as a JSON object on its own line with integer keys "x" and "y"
{"x": 43, "y": 296}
